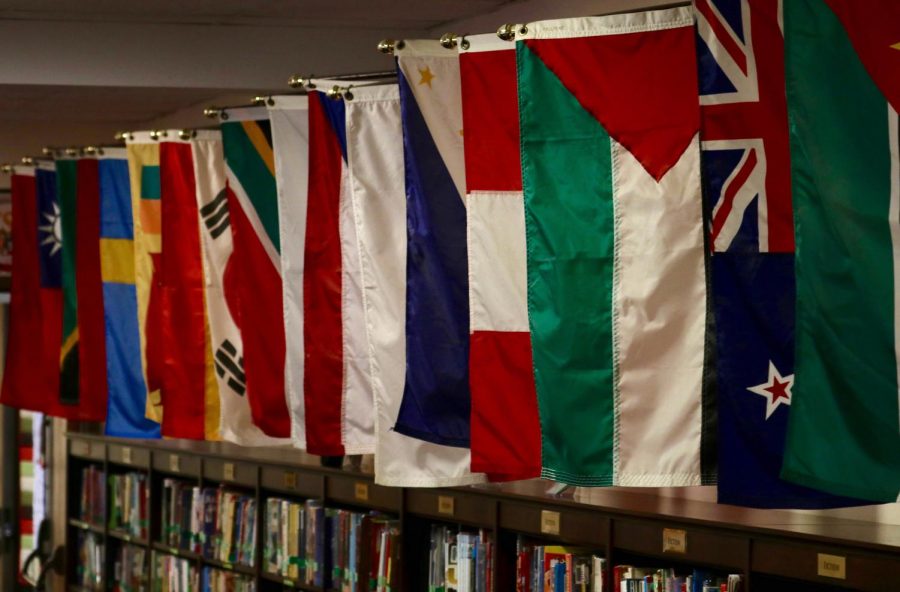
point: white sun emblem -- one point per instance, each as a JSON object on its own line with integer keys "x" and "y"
{"x": 52, "y": 230}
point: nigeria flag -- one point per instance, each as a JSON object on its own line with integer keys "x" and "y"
{"x": 843, "y": 91}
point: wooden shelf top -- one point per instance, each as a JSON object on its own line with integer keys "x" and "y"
{"x": 620, "y": 503}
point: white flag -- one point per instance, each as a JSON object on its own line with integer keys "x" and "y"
{"x": 375, "y": 154}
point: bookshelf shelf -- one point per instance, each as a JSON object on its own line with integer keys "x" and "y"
{"x": 175, "y": 551}
{"x": 126, "y": 537}
{"x": 773, "y": 551}
{"x": 82, "y": 525}
{"x": 235, "y": 567}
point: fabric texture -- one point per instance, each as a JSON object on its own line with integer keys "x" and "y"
{"x": 615, "y": 255}
{"x": 143, "y": 170}
{"x": 377, "y": 189}
{"x": 189, "y": 389}
{"x": 505, "y": 428}
{"x": 31, "y": 375}
{"x": 337, "y": 388}
{"x": 436, "y": 399}
{"x": 126, "y": 401}
{"x": 746, "y": 165}
{"x": 290, "y": 139}
{"x": 253, "y": 208}
{"x": 844, "y": 429}
{"x": 235, "y": 421}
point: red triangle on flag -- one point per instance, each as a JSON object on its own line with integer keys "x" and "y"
{"x": 874, "y": 30}
{"x": 641, "y": 87}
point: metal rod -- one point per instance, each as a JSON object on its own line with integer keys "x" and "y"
{"x": 302, "y": 84}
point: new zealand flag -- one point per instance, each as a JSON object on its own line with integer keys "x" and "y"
{"x": 746, "y": 166}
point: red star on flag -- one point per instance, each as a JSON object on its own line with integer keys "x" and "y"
{"x": 776, "y": 391}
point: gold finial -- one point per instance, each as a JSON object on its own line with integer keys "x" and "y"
{"x": 71, "y": 151}
{"x": 449, "y": 40}
{"x": 211, "y": 112}
{"x": 27, "y": 161}
{"x": 388, "y": 46}
{"x": 334, "y": 93}
{"x": 296, "y": 81}
{"x": 123, "y": 136}
{"x": 157, "y": 134}
{"x": 6, "y": 168}
{"x": 507, "y": 32}
{"x": 260, "y": 100}
{"x": 187, "y": 134}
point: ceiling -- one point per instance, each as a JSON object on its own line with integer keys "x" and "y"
{"x": 416, "y": 14}
{"x": 97, "y": 104}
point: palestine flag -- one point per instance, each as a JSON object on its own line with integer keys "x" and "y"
{"x": 609, "y": 122}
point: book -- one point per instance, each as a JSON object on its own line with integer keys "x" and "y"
{"x": 130, "y": 569}
{"x": 128, "y": 500}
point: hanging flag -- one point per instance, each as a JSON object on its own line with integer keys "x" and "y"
{"x": 436, "y": 401}
{"x": 610, "y": 156}
{"x": 506, "y": 431}
{"x": 31, "y": 376}
{"x": 338, "y": 400}
{"x": 235, "y": 422}
{"x": 842, "y": 68}
{"x": 189, "y": 391}
{"x": 24, "y": 386}
{"x": 126, "y": 404}
{"x": 49, "y": 237}
{"x": 82, "y": 354}
{"x": 746, "y": 162}
{"x": 253, "y": 210}
{"x": 375, "y": 157}
{"x": 143, "y": 170}
{"x": 290, "y": 137}
{"x": 89, "y": 287}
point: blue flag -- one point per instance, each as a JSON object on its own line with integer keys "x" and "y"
{"x": 746, "y": 178}
{"x": 436, "y": 400}
{"x": 127, "y": 389}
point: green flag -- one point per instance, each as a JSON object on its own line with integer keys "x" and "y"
{"x": 844, "y": 431}
{"x": 67, "y": 175}
{"x": 616, "y": 293}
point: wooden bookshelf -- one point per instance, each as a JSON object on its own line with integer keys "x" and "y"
{"x": 774, "y": 551}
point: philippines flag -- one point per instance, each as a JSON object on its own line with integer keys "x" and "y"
{"x": 436, "y": 397}
{"x": 746, "y": 166}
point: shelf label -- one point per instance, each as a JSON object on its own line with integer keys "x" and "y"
{"x": 832, "y": 566}
{"x": 174, "y": 463}
{"x": 445, "y": 505}
{"x": 228, "y": 471}
{"x": 361, "y": 491}
{"x": 126, "y": 455}
{"x": 290, "y": 480}
{"x": 674, "y": 540}
{"x": 549, "y": 522}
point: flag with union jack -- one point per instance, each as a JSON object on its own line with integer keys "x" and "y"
{"x": 747, "y": 182}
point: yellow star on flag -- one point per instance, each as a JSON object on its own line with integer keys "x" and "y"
{"x": 896, "y": 45}
{"x": 427, "y": 76}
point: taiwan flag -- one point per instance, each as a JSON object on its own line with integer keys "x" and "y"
{"x": 31, "y": 379}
